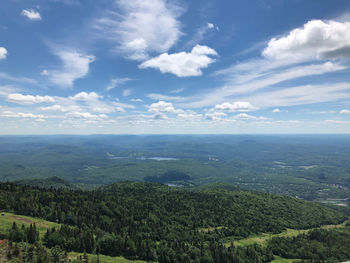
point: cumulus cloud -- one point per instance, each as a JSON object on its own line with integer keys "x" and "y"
{"x": 31, "y": 14}
{"x": 140, "y": 27}
{"x": 75, "y": 65}
{"x": 317, "y": 48}
{"x": 214, "y": 116}
{"x": 183, "y": 64}
{"x": 317, "y": 39}
{"x": 115, "y": 82}
{"x": 277, "y": 110}
{"x": 29, "y": 99}
{"x": 3, "y": 53}
{"x": 190, "y": 116}
{"x": 236, "y": 106}
{"x": 344, "y": 112}
{"x": 162, "y": 107}
{"x": 85, "y": 96}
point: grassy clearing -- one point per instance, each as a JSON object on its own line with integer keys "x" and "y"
{"x": 7, "y": 220}
{"x": 104, "y": 259}
{"x": 282, "y": 260}
{"x": 264, "y": 237}
{"x": 207, "y": 229}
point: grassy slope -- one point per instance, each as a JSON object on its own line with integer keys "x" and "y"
{"x": 283, "y": 260}
{"x": 264, "y": 237}
{"x": 104, "y": 259}
{"x": 42, "y": 225}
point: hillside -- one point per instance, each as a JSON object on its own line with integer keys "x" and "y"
{"x": 310, "y": 167}
{"x": 155, "y": 222}
{"x": 53, "y": 181}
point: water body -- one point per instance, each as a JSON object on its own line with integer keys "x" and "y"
{"x": 146, "y": 158}
{"x": 159, "y": 158}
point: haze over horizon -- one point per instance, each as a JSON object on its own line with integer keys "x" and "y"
{"x": 174, "y": 67}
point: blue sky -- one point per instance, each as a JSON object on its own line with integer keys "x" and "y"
{"x": 174, "y": 67}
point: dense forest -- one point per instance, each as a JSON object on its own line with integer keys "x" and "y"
{"x": 154, "y": 222}
{"x": 312, "y": 167}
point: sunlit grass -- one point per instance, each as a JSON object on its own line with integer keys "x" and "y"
{"x": 7, "y": 220}
{"x": 103, "y": 259}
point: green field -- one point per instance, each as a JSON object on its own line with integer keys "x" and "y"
{"x": 7, "y": 220}
{"x": 283, "y": 260}
{"x": 103, "y": 259}
{"x": 264, "y": 237}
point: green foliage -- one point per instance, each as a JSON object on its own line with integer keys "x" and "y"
{"x": 318, "y": 245}
{"x": 159, "y": 223}
{"x": 310, "y": 167}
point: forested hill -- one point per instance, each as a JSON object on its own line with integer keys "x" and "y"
{"x": 152, "y": 216}
{"x": 127, "y": 204}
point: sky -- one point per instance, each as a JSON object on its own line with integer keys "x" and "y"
{"x": 174, "y": 66}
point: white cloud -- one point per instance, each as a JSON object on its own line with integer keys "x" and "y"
{"x": 3, "y": 53}
{"x": 61, "y": 108}
{"x": 301, "y": 95}
{"x": 136, "y": 100}
{"x": 163, "y": 107}
{"x": 248, "y": 81}
{"x": 245, "y": 116}
{"x": 10, "y": 114}
{"x": 156, "y": 96}
{"x": 29, "y": 99}
{"x": 44, "y": 72}
{"x": 16, "y": 79}
{"x": 115, "y": 82}
{"x": 127, "y": 92}
{"x": 317, "y": 39}
{"x": 277, "y": 110}
{"x": 75, "y": 66}
{"x": 210, "y": 25}
{"x": 182, "y": 64}
{"x": 236, "y": 106}
{"x": 312, "y": 47}
{"x": 179, "y": 90}
{"x": 141, "y": 27}
{"x": 214, "y": 116}
{"x": 123, "y": 105}
{"x": 86, "y": 115}
{"x": 31, "y": 14}
{"x": 190, "y": 116}
{"x": 85, "y": 96}
{"x": 344, "y": 112}
{"x": 337, "y": 121}
{"x": 107, "y": 109}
